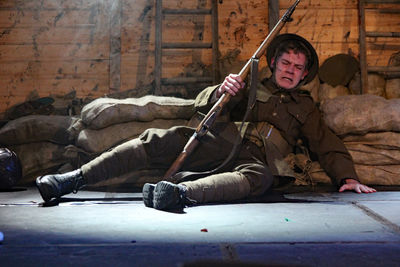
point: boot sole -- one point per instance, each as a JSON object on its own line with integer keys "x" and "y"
{"x": 148, "y": 193}
{"x": 165, "y": 197}
{"x": 41, "y": 189}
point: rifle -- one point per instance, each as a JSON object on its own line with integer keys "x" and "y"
{"x": 214, "y": 112}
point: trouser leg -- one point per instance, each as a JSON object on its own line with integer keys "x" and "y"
{"x": 249, "y": 177}
{"x": 155, "y": 148}
{"x": 120, "y": 160}
{"x": 218, "y": 187}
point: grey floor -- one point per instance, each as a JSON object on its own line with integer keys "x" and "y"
{"x": 115, "y": 229}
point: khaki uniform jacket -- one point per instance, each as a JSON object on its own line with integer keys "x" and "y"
{"x": 294, "y": 115}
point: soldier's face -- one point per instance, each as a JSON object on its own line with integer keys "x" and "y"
{"x": 290, "y": 69}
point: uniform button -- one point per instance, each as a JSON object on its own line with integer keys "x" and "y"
{"x": 274, "y": 114}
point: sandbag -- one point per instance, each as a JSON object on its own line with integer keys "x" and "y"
{"x": 307, "y": 172}
{"x": 97, "y": 141}
{"x": 376, "y": 85}
{"x": 355, "y": 84}
{"x": 313, "y": 88}
{"x": 311, "y": 173}
{"x": 327, "y": 91}
{"x": 378, "y": 175}
{"x": 381, "y": 140}
{"x": 37, "y": 158}
{"x": 359, "y": 114}
{"x": 392, "y": 88}
{"x": 104, "y": 112}
{"x": 38, "y": 128}
{"x": 369, "y": 155}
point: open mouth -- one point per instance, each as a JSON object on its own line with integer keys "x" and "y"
{"x": 287, "y": 79}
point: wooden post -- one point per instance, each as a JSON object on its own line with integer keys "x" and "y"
{"x": 115, "y": 45}
{"x": 273, "y": 13}
{"x": 215, "y": 39}
{"x": 158, "y": 47}
{"x": 363, "y": 51}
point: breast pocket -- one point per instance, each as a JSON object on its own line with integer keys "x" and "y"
{"x": 297, "y": 113}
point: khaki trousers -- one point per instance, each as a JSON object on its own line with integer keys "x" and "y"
{"x": 246, "y": 175}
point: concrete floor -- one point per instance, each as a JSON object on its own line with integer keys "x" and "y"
{"x": 115, "y": 229}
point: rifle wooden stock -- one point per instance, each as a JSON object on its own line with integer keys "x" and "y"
{"x": 214, "y": 112}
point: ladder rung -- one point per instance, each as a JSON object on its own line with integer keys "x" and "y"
{"x": 382, "y": 1}
{"x": 186, "y": 45}
{"x": 389, "y": 11}
{"x": 383, "y": 68}
{"x": 184, "y": 80}
{"x": 382, "y": 34}
{"x": 187, "y": 11}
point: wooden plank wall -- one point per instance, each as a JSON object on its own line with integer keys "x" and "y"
{"x": 100, "y": 47}
{"x": 52, "y": 47}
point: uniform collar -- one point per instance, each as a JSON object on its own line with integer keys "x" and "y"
{"x": 285, "y": 94}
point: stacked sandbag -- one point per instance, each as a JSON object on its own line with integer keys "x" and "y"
{"x": 40, "y": 142}
{"x": 392, "y": 87}
{"x": 100, "y": 140}
{"x": 313, "y": 87}
{"x": 360, "y": 114}
{"x": 370, "y": 128}
{"x": 110, "y": 122}
{"x": 104, "y": 112}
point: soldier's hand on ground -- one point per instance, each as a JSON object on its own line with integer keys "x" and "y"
{"x": 232, "y": 84}
{"x": 354, "y": 185}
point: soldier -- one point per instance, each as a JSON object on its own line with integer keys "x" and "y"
{"x": 281, "y": 115}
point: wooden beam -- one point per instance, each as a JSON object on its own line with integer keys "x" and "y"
{"x": 273, "y": 13}
{"x": 215, "y": 40}
{"x": 158, "y": 48}
{"x": 115, "y": 45}
{"x": 363, "y": 51}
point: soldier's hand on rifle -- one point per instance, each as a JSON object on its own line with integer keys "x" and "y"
{"x": 232, "y": 84}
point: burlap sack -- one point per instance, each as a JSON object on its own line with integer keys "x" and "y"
{"x": 392, "y": 88}
{"x": 379, "y": 175}
{"x": 97, "y": 141}
{"x": 327, "y": 91}
{"x": 381, "y": 140}
{"x": 307, "y": 172}
{"x": 104, "y": 112}
{"x": 313, "y": 174}
{"x": 37, "y": 128}
{"x": 376, "y": 85}
{"x": 359, "y": 114}
{"x": 313, "y": 88}
{"x": 369, "y": 155}
{"x": 38, "y": 158}
{"x": 355, "y": 84}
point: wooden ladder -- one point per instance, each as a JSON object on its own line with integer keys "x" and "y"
{"x": 160, "y": 45}
{"x": 392, "y": 71}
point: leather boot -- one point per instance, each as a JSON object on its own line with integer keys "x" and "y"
{"x": 57, "y": 185}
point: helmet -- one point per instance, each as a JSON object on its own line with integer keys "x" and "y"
{"x": 313, "y": 63}
{"x": 10, "y": 168}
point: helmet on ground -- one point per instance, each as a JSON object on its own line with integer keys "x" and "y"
{"x": 10, "y": 168}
